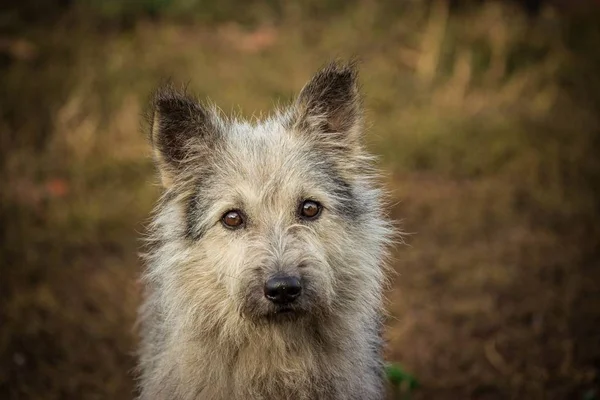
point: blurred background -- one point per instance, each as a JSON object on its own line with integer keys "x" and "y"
{"x": 486, "y": 117}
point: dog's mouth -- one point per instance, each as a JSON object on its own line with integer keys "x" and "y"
{"x": 284, "y": 313}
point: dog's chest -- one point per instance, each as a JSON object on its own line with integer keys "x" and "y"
{"x": 292, "y": 372}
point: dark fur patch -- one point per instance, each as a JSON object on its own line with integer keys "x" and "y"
{"x": 345, "y": 194}
{"x": 347, "y": 202}
{"x": 333, "y": 94}
{"x": 197, "y": 207}
{"x": 180, "y": 119}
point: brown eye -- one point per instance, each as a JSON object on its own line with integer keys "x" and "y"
{"x": 232, "y": 219}
{"x": 310, "y": 209}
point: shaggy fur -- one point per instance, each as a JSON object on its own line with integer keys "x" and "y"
{"x": 208, "y": 332}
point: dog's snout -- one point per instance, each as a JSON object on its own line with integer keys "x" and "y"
{"x": 283, "y": 289}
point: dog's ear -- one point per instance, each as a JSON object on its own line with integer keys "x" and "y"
{"x": 180, "y": 128}
{"x": 330, "y": 104}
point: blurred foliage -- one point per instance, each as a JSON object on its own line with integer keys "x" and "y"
{"x": 403, "y": 382}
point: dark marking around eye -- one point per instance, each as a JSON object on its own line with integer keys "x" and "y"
{"x": 197, "y": 207}
{"x": 195, "y": 212}
{"x": 347, "y": 204}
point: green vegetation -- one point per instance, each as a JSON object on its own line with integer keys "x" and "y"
{"x": 487, "y": 123}
{"x": 402, "y": 382}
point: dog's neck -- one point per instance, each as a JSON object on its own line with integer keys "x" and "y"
{"x": 278, "y": 356}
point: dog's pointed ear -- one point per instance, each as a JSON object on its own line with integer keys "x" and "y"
{"x": 330, "y": 104}
{"x": 180, "y": 127}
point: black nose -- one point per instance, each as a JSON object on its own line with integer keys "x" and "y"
{"x": 283, "y": 289}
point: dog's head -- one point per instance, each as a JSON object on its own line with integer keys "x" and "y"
{"x": 279, "y": 219}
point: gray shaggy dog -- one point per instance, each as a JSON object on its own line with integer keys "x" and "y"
{"x": 266, "y": 260}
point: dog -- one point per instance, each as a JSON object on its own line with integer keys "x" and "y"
{"x": 266, "y": 253}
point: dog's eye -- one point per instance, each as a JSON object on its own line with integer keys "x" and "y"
{"x": 232, "y": 219}
{"x": 310, "y": 209}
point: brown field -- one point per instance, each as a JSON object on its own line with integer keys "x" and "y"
{"x": 487, "y": 124}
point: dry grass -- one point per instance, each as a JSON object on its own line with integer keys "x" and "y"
{"x": 487, "y": 123}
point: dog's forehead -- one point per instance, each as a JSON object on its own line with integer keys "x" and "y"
{"x": 269, "y": 165}
{"x": 267, "y": 152}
